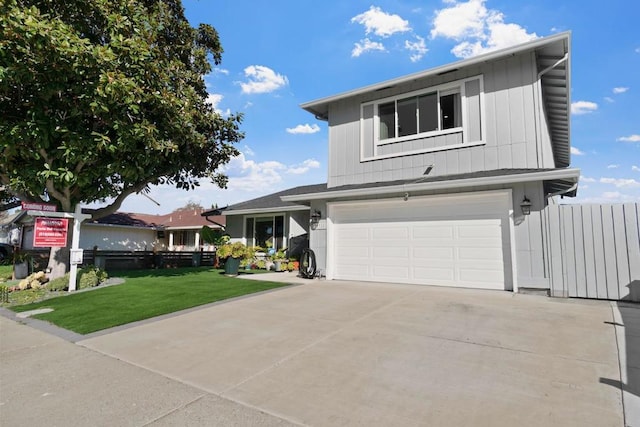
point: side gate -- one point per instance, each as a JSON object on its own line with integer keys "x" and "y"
{"x": 594, "y": 251}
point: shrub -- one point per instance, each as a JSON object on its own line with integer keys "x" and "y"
{"x": 59, "y": 284}
{"x": 234, "y": 250}
{"x": 4, "y": 294}
{"x": 91, "y": 276}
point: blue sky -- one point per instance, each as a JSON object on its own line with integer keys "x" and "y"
{"x": 280, "y": 54}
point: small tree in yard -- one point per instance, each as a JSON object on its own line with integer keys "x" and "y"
{"x": 101, "y": 98}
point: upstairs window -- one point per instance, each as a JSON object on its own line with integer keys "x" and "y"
{"x": 414, "y": 115}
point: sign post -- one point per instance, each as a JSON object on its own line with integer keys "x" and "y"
{"x": 77, "y": 217}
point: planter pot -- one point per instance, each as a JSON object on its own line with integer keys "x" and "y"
{"x": 21, "y": 270}
{"x": 231, "y": 266}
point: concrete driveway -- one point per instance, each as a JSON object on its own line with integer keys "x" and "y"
{"x": 344, "y": 353}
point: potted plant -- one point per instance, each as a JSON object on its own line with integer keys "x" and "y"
{"x": 215, "y": 238}
{"x": 21, "y": 262}
{"x": 232, "y": 253}
{"x": 280, "y": 260}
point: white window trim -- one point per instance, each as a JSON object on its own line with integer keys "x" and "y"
{"x": 458, "y": 85}
{"x": 285, "y": 225}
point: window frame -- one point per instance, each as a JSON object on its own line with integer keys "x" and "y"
{"x": 251, "y": 240}
{"x": 457, "y": 86}
{"x": 440, "y": 91}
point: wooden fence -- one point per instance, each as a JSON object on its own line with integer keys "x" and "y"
{"x": 128, "y": 260}
{"x": 595, "y": 251}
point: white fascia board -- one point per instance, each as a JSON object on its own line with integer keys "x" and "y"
{"x": 487, "y": 57}
{"x": 572, "y": 173}
{"x": 187, "y": 227}
{"x": 266, "y": 210}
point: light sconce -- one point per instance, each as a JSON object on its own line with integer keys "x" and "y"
{"x": 315, "y": 217}
{"x": 525, "y": 206}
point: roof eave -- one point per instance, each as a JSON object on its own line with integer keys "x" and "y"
{"x": 266, "y": 210}
{"x": 312, "y": 106}
{"x": 572, "y": 174}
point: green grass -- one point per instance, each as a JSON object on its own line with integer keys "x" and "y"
{"x": 6, "y": 271}
{"x": 144, "y": 294}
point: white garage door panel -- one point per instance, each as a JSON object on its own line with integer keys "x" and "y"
{"x": 434, "y": 240}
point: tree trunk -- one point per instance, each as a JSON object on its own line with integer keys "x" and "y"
{"x": 58, "y": 262}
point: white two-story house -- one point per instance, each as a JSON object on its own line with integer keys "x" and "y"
{"x": 440, "y": 177}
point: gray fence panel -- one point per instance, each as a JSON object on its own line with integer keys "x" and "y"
{"x": 599, "y": 253}
{"x": 579, "y": 251}
{"x": 632, "y": 222}
{"x": 609, "y": 253}
{"x": 595, "y": 251}
{"x": 589, "y": 252}
{"x": 558, "y": 283}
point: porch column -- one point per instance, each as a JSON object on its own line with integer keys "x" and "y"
{"x": 197, "y": 241}
{"x": 171, "y": 240}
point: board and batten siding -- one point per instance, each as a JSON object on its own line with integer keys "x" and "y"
{"x": 513, "y": 139}
{"x": 595, "y": 251}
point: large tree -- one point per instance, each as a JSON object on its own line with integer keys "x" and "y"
{"x": 101, "y": 98}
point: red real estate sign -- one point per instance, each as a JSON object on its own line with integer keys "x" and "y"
{"x": 50, "y": 232}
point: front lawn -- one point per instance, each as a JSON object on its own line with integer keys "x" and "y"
{"x": 145, "y": 294}
{"x": 6, "y": 271}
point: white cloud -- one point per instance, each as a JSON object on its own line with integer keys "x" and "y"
{"x": 583, "y": 107}
{"x": 613, "y": 166}
{"x": 576, "y": 151}
{"x": 635, "y": 168}
{"x": 608, "y": 99}
{"x": 585, "y": 179}
{"x": 305, "y": 128}
{"x": 248, "y": 151}
{"x": 621, "y": 182}
{"x": 611, "y": 195}
{"x": 630, "y": 138}
{"x": 262, "y": 79}
{"x": 366, "y": 45}
{"x": 476, "y": 28}
{"x": 221, "y": 71}
{"x": 419, "y": 48}
{"x": 214, "y": 99}
{"x": 304, "y": 167}
{"x": 381, "y": 23}
{"x": 252, "y": 176}
{"x": 618, "y": 90}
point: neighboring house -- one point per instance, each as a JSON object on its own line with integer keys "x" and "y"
{"x": 177, "y": 231}
{"x": 442, "y": 177}
{"x": 11, "y": 228}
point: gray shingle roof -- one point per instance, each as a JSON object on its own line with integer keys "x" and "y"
{"x": 270, "y": 201}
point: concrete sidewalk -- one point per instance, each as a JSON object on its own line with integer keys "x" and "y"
{"x": 48, "y": 381}
{"x": 335, "y": 353}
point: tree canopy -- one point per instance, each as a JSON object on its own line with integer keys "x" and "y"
{"x": 101, "y": 98}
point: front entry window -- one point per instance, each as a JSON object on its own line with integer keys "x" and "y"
{"x": 266, "y": 229}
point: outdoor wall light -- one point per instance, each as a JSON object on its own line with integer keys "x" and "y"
{"x": 315, "y": 217}
{"x": 525, "y": 206}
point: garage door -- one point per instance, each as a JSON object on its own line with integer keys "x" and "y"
{"x": 460, "y": 240}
